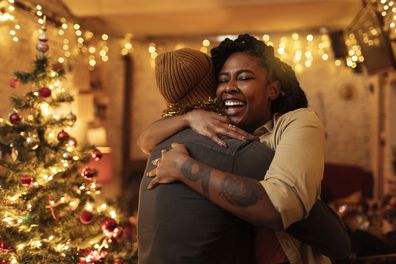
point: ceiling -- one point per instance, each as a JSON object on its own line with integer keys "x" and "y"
{"x": 180, "y": 18}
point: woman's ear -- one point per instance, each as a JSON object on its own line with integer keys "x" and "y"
{"x": 274, "y": 90}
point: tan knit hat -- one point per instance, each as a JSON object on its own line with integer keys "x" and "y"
{"x": 185, "y": 76}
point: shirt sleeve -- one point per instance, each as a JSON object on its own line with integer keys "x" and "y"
{"x": 293, "y": 179}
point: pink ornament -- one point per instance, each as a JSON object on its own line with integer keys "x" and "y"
{"x": 42, "y": 46}
{"x": 15, "y": 83}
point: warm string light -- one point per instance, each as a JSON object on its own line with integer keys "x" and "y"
{"x": 6, "y": 10}
{"x": 299, "y": 50}
{"x": 354, "y": 51}
{"x": 387, "y": 9}
{"x": 205, "y": 46}
{"x": 152, "y": 49}
{"x": 127, "y": 45}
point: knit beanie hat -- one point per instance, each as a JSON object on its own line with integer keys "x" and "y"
{"x": 185, "y": 76}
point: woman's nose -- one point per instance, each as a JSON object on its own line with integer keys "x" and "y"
{"x": 232, "y": 86}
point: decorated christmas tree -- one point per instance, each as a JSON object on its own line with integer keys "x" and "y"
{"x": 50, "y": 211}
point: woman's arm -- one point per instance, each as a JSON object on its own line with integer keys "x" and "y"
{"x": 160, "y": 130}
{"x": 206, "y": 123}
{"x": 242, "y": 196}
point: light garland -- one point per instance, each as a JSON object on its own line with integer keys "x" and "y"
{"x": 387, "y": 9}
{"x": 6, "y": 10}
{"x": 354, "y": 51}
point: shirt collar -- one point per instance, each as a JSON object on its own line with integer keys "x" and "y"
{"x": 266, "y": 128}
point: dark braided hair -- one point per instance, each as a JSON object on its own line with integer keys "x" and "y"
{"x": 291, "y": 97}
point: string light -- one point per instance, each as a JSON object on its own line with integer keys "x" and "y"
{"x": 6, "y": 10}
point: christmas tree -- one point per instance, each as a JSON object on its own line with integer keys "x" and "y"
{"x": 49, "y": 208}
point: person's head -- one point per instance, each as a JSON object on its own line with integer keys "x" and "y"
{"x": 253, "y": 83}
{"x": 185, "y": 76}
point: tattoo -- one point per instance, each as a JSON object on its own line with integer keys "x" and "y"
{"x": 240, "y": 191}
{"x": 194, "y": 172}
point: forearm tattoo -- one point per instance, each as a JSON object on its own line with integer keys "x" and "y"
{"x": 241, "y": 191}
{"x": 238, "y": 191}
{"x": 194, "y": 172}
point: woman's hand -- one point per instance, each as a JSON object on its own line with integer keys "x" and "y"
{"x": 168, "y": 166}
{"x": 212, "y": 125}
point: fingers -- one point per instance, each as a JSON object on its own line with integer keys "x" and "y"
{"x": 235, "y": 132}
{"x": 154, "y": 183}
{"x": 218, "y": 141}
{"x": 151, "y": 173}
{"x": 155, "y": 162}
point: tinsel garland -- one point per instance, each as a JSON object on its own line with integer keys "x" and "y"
{"x": 211, "y": 105}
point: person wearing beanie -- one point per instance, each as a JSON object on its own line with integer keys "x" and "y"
{"x": 262, "y": 95}
{"x": 177, "y": 225}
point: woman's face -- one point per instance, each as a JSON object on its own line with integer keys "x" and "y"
{"x": 246, "y": 91}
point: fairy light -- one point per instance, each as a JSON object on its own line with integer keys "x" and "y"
{"x": 152, "y": 49}
{"x": 6, "y": 10}
{"x": 354, "y": 51}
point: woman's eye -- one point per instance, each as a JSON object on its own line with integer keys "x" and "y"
{"x": 245, "y": 78}
{"x": 222, "y": 80}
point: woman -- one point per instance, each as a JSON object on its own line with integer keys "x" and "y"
{"x": 262, "y": 96}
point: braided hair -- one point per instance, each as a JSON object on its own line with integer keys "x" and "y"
{"x": 291, "y": 96}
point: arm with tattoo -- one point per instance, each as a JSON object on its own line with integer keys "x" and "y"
{"x": 241, "y": 196}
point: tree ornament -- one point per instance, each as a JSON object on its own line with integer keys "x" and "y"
{"x": 96, "y": 154}
{"x": 109, "y": 224}
{"x": 15, "y": 83}
{"x": 63, "y": 136}
{"x": 3, "y": 261}
{"x": 71, "y": 119}
{"x": 32, "y": 141}
{"x": 15, "y": 118}
{"x": 88, "y": 173}
{"x": 118, "y": 261}
{"x": 42, "y": 45}
{"x": 86, "y": 217}
{"x": 4, "y": 246}
{"x": 26, "y": 180}
{"x": 45, "y": 92}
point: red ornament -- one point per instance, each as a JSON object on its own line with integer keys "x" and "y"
{"x": 63, "y": 136}
{"x": 5, "y": 246}
{"x": 96, "y": 154}
{"x": 109, "y": 224}
{"x": 86, "y": 217}
{"x": 15, "y": 83}
{"x": 45, "y": 92}
{"x": 15, "y": 118}
{"x": 26, "y": 180}
{"x": 118, "y": 261}
{"x": 88, "y": 173}
{"x": 3, "y": 261}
